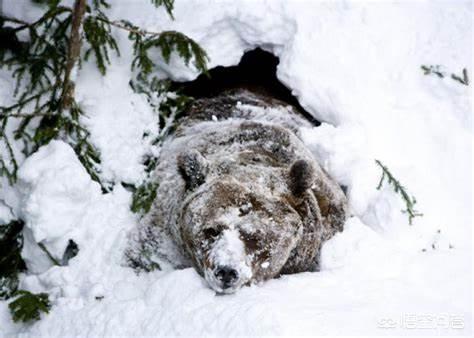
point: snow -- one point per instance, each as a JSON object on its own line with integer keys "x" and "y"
{"x": 51, "y": 199}
{"x": 355, "y": 65}
{"x": 117, "y": 119}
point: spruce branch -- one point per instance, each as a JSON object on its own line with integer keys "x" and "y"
{"x": 436, "y": 70}
{"x": 53, "y": 11}
{"x": 463, "y": 80}
{"x": 433, "y": 69}
{"x": 23, "y": 115}
{"x": 168, "y": 4}
{"x": 165, "y": 41}
{"x": 8, "y": 168}
{"x": 71, "y": 250}
{"x": 43, "y": 66}
{"x": 27, "y": 306}
{"x": 168, "y": 107}
{"x": 50, "y": 256}
{"x": 6, "y": 18}
{"x": 98, "y": 34}
{"x": 45, "y": 104}
{"x": 143, "y": 197}
{"x": 11, "y": 262}
{"x": 399, "y": 189}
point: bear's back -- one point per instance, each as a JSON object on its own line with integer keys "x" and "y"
{"x": 242, "y": 104}
{"x": 240, "y": 133}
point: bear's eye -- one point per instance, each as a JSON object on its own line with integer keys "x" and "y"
{"x": 252, "y": 241}
{"x": 211, "y": 233}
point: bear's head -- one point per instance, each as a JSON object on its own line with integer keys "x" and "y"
{"x": 234, "y": 234}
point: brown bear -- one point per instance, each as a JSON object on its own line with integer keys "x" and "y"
{"x": 240, "y": 197}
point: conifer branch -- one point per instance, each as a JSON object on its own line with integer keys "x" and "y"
{"x": 43, "y": 72}
{"x": 168, "y": 108}
{"x": 11, "y": 262}
{"x": 166, "y": 41}
{"x": 51, "y": 13}
{"x": 50, "y": 256}
{"x": 14, "y": 20}
{"x": 463, "y": 80}
{"x": 130, "y": 28}
{"x": 27, "y": 306}
{"x": 433, "y": 69}
{"x": 42, "y": 65}
{"x": 24, "y": 115}
{"x": 436, "y": 70}
{"x": 169, "y": 5}
{"x": 399, "y": 189}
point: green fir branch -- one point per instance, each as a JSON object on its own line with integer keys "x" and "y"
{"x": 45, "y": 104}
{"x": 463, "y": 80}
{"x": 168, "y": 4}
{"x": 410, "y": 201}
{"x": 168, "y": 106}
{"x": 143, "y": 197}
{"x": 41, "y": 63}
{"x": 71, "y": 251}
{"x": 8, "y": 162}
{"x": 436, "y": 70}
{"x": 433, "y": 69}
{"x": 27, "y": 306}
{"x": 11, "y": 262}
{"x": 50, "y": 256}
{"x": 167, "y": 42}
{"x": 41, "y": 66}
{"x": 97, "y": 32}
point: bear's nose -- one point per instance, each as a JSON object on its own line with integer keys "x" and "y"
{"x": 227, "y": 275}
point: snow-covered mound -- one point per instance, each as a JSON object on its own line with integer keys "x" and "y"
{"x": 353, "y": 65}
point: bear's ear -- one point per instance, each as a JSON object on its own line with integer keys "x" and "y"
{"x": 301, "y": 177}
{"x": 193, "y": 168}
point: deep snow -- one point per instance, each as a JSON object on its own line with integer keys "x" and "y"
{"x": 353, "y": 65}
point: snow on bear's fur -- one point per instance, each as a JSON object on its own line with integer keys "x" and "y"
{"x": 240, "y": 197}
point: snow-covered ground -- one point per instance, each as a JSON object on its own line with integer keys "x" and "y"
{"x": 355, "y": 65}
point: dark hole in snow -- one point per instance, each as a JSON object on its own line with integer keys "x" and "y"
{"x": 256, "y": 71}
{"x": 71, "y": 251}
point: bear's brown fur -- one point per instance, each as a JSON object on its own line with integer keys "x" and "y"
{"x": 240, "y": 197}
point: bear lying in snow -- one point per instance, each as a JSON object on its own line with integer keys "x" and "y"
{"x": 240, "y": 197}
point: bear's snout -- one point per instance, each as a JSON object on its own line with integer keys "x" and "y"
{"x": 227, "y": 276}
{"x": 226, "y": 266}
{"x": 225, "y": 279}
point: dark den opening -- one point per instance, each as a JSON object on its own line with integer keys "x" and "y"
{"x": 256, "y": 71}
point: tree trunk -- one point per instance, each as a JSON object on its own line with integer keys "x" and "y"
{"x": 74, "y": 51}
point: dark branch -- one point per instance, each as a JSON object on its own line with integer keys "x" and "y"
{"x": 74, "y": 51}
